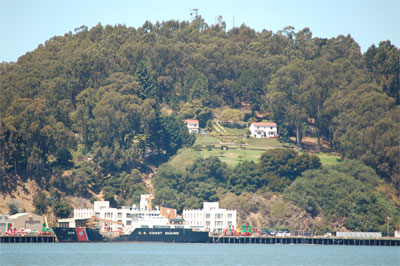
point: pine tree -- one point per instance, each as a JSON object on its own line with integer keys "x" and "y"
{"x": 148, "y": 87}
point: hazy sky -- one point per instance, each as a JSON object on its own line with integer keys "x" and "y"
{"x": 24, "y": 24}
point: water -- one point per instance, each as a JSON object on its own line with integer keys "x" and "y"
{"x": 110, "y": 254}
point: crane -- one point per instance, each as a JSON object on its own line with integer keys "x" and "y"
{"x": 94, "y": 221}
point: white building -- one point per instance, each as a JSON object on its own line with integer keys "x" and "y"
{"x": 193, "y": 125}
{"x": 263, "y": 130}
{"x": 124, "y": 218}
{"x": 210, "y": 218}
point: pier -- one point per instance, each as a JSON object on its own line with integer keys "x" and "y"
{"x": 28, "y": 239}
{"x": 305, "y": 240}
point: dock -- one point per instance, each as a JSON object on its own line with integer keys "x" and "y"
{"x": 28, "y": 239}
{"x": 305, "y": 240}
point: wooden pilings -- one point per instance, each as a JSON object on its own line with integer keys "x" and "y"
{"x": 27, "y": 239}
{"x": 306, "y": 240}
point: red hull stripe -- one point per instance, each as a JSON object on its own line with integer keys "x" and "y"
{"x": 81, "y": 234}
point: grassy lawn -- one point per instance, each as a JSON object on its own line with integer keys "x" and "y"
{"x": 206, "y": 140}
{"x": 329, "y": 159}
{"x": 184, "y": 158}
{"x": 233, "y": 156}
{"x": 236, "y": 131}
{"x": 267, "y": 143}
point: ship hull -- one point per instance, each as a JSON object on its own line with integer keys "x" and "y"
{"x": 79, "y": 234}
{"x": 170, "y": 235}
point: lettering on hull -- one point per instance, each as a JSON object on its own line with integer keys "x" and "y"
{"x": 172, "y": 233}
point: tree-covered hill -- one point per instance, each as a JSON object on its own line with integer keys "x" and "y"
{"x": 91, "y": 102}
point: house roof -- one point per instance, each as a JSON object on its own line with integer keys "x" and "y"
{"x": 264, "y": 124}
{"x": 191, "y": 121}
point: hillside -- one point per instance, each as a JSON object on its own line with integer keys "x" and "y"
{"x": 98, "y": 113}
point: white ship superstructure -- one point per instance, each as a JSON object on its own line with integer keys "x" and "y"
{"x": 124, "y": 219}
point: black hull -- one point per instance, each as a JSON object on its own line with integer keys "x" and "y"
{"x": 170, "y": 235}
{"x": 80, "y": 234}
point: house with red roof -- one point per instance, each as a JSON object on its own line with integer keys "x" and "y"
{"x": 193, "y": 125}
{"x": 263, "y": 130}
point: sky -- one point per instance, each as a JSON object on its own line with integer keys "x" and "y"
{"x": 24, "y": 24}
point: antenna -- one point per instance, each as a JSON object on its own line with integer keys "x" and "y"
{"x": 194, "y": 13}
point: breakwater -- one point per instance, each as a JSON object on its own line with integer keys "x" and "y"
{"x": 306, "y": 240}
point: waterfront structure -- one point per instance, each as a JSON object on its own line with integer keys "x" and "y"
{"x": 210, "y": 218}
{"x": 27, "y": 221}
{"x": 263, "y": 130}
{"x": 127, "y": 223}
{"x": 193, "y": 126}
{"x": 124, "y": 218}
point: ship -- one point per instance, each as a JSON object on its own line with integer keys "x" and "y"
{"x": 164, "y": 234}
{"x": 78, "y": 234}
{"x": 143, "y": 224}
{"x": 171, "y": 234}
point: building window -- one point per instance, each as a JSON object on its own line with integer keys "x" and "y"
{"x": 208, "y": 216}
{"x": 229, "y": 215}
{"x": 128, "y": 222}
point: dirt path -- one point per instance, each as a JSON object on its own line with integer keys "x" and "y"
{"x": 311, "y": 144}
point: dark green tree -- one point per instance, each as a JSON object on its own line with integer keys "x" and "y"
{"x": 12, "y": 208}
{"x": 280, "y": 167}
{"x": 62, "y": 209}
{"x": 146, "y": 81}
{"x": 175, "y": 134}
{"x": 41, "y": 202}
{"x": 383, "y": 63}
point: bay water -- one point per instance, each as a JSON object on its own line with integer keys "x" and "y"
{"x": 131, "y": 253}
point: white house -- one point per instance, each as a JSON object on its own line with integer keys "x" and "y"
{"x": 193, "y": 125}
{"x": 210, "y": 218}
{"x": 263, "y": 130}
